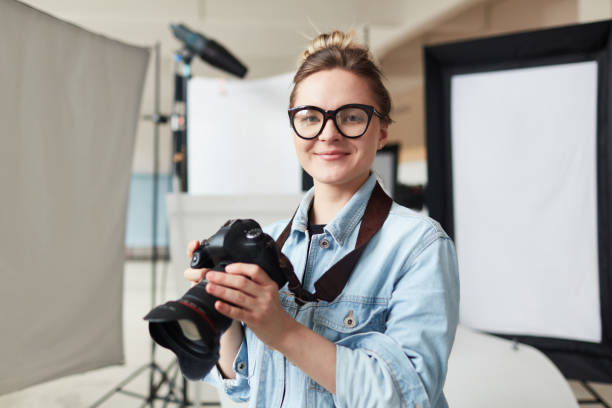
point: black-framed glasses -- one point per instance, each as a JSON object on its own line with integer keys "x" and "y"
{"x": 351, "y": 120}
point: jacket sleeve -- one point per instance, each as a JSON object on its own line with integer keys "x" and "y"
{"x": 238, "y": 388}
{"x": 406, "y": 365}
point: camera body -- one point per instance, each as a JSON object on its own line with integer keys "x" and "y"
{"x": 190, "y": 326}
{"x": 240, "y": 240}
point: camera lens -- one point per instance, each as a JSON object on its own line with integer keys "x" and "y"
{"x": 189, "y": 330}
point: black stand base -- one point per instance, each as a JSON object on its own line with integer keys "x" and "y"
{"x": 596, "y": 397}
{"x": 173, "y": 395}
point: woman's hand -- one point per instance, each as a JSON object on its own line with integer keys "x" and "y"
{"x": 247, "y": 293}
{"x": 194, "y": 275}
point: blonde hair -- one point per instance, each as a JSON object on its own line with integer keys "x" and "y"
{"x": 338, "y": 50}
{"x": 336, "y": 39}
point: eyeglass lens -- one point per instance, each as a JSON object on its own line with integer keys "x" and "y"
{"x": 351, "y": 121}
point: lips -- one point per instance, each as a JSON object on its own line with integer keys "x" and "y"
{"x": 331, "y": 155}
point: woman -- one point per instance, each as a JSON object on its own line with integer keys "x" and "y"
{"x": 382, "y": 338}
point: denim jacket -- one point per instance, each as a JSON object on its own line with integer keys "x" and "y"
{"x": 393, "y": 324}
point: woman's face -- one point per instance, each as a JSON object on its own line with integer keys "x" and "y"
{"x": 331, "y": 158}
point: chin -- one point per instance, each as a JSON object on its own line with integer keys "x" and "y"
{"x": 338, "y": 179}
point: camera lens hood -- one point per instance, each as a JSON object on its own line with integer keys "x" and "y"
{"x": 195, "y": 360}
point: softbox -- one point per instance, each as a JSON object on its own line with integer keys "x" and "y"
{"x": 68, "y": 107}
{"x": 239, "y": 142}
{"x": 519, "y": 150}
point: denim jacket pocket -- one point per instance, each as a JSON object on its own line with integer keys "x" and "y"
{"x": 346, "y": 316}
{"x": 350, "y": 315}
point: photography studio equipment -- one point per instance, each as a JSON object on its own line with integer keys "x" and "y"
{"x": 210, "y": 51}
{"x": 190, "y": 326}
{"x": 70, "y": 105}
{"x": 519, "y": 174}
{"x": 168, "y": 376}
{"x": 221, "y": 113}
{"x": 159, "y": 377}
{"x": 152, "y": 367}
{"x": 178, "y": 123}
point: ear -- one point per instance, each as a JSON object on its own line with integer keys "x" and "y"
{"x": 383, "y": 135}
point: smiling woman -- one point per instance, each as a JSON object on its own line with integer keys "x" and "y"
{"x": 373, "y": 317}
{"x": 332, "y": 158}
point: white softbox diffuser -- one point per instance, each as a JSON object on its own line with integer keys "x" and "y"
{"x": 519, "y": 148}
{"x": 239, "y": 137}
{"x": 530, "y": 219}
{"x": 68, "y": 107}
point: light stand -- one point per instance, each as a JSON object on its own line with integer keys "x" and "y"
{"x": 169, "y": 374}
{"x": 210, "y": 51}
{"x": 178, "y": 119}
{"x": 215, "y": 54}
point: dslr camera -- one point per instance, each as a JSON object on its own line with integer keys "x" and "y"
{"x": 190, "y": 326}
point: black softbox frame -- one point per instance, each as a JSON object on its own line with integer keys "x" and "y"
{"x": 577, "y": 43}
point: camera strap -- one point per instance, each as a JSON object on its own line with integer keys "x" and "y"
{"x": 331, "y": 284}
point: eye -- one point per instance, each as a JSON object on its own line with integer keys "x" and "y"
{"x": 310, "y": 119}
{"x": 307, "y": 117}
{"x": 352, "y": 116}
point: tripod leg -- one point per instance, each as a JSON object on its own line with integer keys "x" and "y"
{"x": 185, "y": 397}
{"x": 119, "y": 386}
{"x": 198, "y": 396}
{"x": 597, "y": 398}
{"x": 170, "y": 397}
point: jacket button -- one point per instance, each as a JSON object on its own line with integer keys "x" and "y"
{"x": 349, "y": 320}
{"x": 324, "y": 243}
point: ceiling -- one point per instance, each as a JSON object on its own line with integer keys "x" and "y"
{"x": 266, "y": 35}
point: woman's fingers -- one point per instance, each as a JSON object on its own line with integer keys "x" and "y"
{"x": 195, "y": 275}
{"x": 252, "y": 271}
{"x": 238, "y": 282}
{"x": 245, "y": 293}
{"x": 192, "y": 247}
{"x": 230, "y": 311}
{"x": 229, "y": 295}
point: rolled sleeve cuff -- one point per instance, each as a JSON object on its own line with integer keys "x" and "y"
{"x": 236, "y": 388}
{"x": 388, "y": 376}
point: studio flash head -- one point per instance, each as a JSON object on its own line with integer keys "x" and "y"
{"x": 191, "y": 327}
{"x": 209, "y": 50}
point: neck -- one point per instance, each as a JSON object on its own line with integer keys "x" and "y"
{"x": 329, "y": 199}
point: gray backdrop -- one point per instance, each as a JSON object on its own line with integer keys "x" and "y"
{"x": 69, "y": 103}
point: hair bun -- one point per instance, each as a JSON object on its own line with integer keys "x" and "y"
{"x": 334, "y": 39}
{"x": 339, "y": 50}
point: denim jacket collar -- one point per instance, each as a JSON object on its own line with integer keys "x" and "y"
{"x": 346, "y": 220}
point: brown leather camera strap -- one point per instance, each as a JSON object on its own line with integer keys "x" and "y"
{"x": 331, "y": 284}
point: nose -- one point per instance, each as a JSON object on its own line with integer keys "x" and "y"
{"x": 330, "y": 132}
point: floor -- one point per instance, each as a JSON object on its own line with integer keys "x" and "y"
{"x": 603, "y": 390}
{"x": 84, "y": 390}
